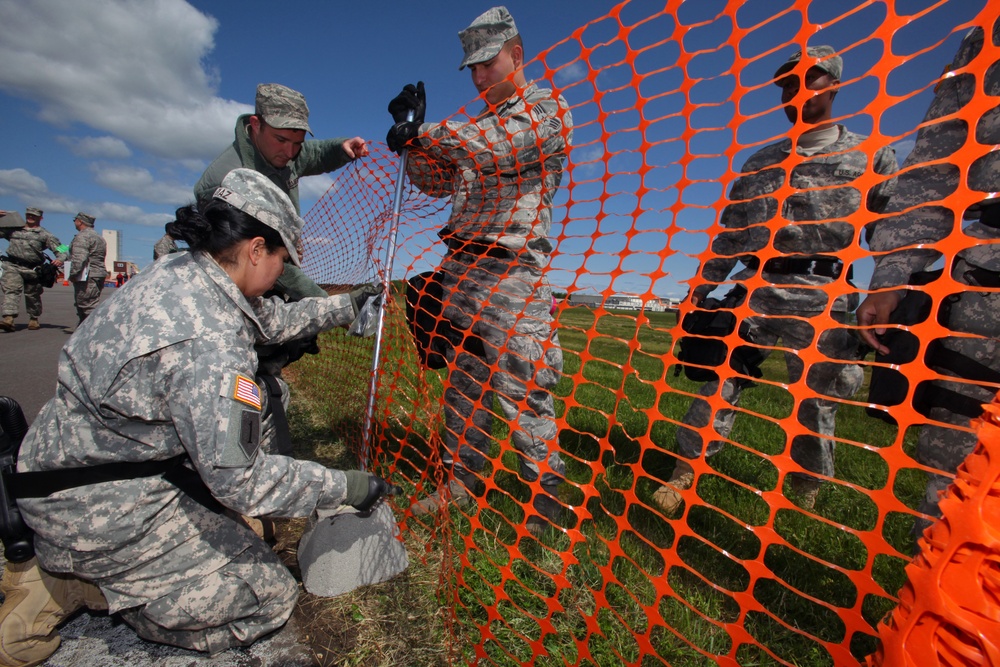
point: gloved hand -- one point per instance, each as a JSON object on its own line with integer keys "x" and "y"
{"x": 359, "y": 295}
{"x": 364, "y": 489}
{"x": 411, "y": 99}
{"x": 401, "y": 134}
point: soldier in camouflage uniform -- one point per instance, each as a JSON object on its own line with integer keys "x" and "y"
{"x": 809, "y": 245}
{"x": 87, "y": 271}
{"x": 272, "y": 141}
{"x": 502, "y": 170}
{"x": 973, "y": 312}
{"x": 164, "y": 370}
{"x": 166, "y": 245}
{"x": 25, "y": 252}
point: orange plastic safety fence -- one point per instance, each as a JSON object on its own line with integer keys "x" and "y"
{"x": 948, "y": 608}
{"x": 786, "y": 541}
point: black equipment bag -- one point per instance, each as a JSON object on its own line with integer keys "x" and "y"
{"x": 433, "y": 333}
{"x": 709, "y": 324}
{"x": 47, "y": 274}
{"x": 17, "y": 538}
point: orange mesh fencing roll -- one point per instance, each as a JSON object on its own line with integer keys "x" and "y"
{"x": 764, "y": 510}
{"x": 948, "y": 608}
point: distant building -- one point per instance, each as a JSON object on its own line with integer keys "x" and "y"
{"x": 114, "y": 240}
{"x": 587, "y": 300}
{"x": 622, "y": 302}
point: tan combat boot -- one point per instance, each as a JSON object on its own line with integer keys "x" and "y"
{"x": 667, "y": 498}
{"x": 7, "y": 323}
{"x": 35, "y": 603}
{"x": 33, "y": 324}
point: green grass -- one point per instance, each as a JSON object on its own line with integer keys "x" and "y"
{"x": 629, "y": 585}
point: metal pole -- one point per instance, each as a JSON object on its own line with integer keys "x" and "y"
{"x": 397, "y": 204}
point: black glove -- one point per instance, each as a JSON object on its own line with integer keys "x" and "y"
{"x": 359, "y": 295}
{"x": 411, "y": 99}
{"x": 364, "y": 489}
{"x": 401, "y": 134}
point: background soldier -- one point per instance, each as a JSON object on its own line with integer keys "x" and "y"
{"x": 973, "y": 312}
{"x": 505, "y": 168}
{"x": 26, "y": 252}
{"x": 164, "y": 246}
{"x": 810, "y": 243}
{"x": 87, "y": 271}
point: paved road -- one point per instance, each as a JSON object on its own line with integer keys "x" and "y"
{"x": 28, "y": 362}
{"x": 28, "y": 358}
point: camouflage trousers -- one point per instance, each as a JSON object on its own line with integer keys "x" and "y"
{"x": 508, "y": 306}
{"x": 18, "y": 280}
{"x": 87, "y": 294}
{"x": 939, "y": 446}
{"x": 198, "y": 580}
{"x": 841, "y": 377}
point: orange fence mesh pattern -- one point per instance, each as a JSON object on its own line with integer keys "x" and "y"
{"x": 744, "y": 563}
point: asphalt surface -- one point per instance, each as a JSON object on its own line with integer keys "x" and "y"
{"x": 28, "y": 359}
{"x": 28, "y": 371}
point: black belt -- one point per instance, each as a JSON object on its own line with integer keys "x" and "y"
{"x": 21, "y": 262}
{"x": 43, "y": 483}
{"x": 805, "y": 266}
{"x": 479, "y": 249}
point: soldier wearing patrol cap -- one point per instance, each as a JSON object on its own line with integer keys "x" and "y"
{"x": 969, "y": 362}
{"x": 504, "y": 168}
{"x": 177, "y": 386}
{"x": 87, "y": 271}
{"x": 272, "y": 141}
{"x": 823, "y": 173}
{"x": 25, "y": 253}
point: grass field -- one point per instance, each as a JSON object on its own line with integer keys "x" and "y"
{"x": 741, "y": 571}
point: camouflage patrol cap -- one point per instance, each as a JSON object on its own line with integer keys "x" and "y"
{"x": 31, "y": 210}
{"x": 825, "y": 58}
{"x": 281, "y": 107}
{"x": 88, "y": 220}
{"x": 485, "y": 36}
{"x": 253, "y": 193}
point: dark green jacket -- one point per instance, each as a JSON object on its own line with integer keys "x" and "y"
{"x": 316, "y": 157}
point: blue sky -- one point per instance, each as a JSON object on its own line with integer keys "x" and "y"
{"x": 115, "y": 108}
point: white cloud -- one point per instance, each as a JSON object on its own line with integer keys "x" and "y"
{"x": 313, "y": 187}
{"x": 139, "y": 183}
{"x": 33, "y": 191}
{"x": 134, "y": 70}
{"x": 903, "y": 148}
{"x": 21, "y": 182}
{"x": 97, "y": 147}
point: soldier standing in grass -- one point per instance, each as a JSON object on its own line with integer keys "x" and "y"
{"x": 502, "y": 170}
{"x": 87, "y": 270}
{"x": 26, "y": 252}
{"x": 909, "y": 242}
{"x": 822, "y": 173}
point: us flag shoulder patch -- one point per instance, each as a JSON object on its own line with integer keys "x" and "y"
{"x": 246, "y": 391}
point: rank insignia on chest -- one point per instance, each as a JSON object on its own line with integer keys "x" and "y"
{"x": 246, "y": 391}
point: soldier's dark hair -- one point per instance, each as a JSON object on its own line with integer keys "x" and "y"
{"x": 215, "y": 227}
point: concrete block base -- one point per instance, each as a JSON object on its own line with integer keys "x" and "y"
{"x": 345, "y": 549}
